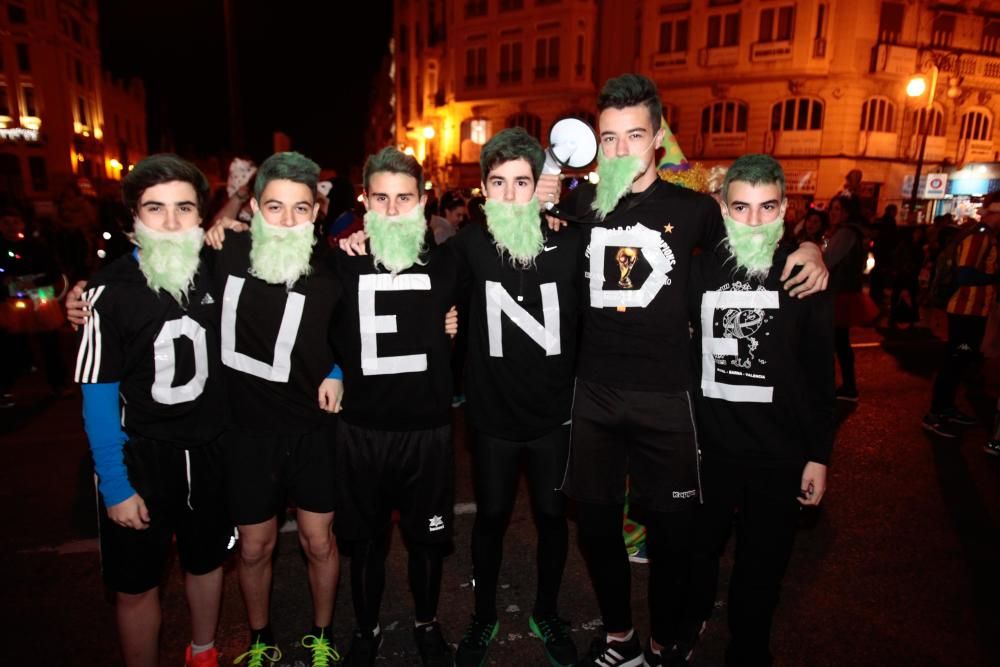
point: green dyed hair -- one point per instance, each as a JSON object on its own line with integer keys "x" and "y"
{"x": 289, "y": 166}
{"x": 514, "y": 143}
{"x": 755, "y": 169}
{"x": 395, "y": 161}
{"x": 630, "y": 90}
{"x": 162, "y": 168}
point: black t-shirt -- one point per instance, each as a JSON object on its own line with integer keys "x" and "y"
{"x": 165, "y": 357}
{"x": 765, "y": 364}
{"x": 275, "y": 341}
{"x": 522, "y": 327}
{"x": 635, "y": 331}
{"x": 390, "y": 341}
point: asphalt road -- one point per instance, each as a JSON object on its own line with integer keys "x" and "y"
{"x": 900, "y": 566}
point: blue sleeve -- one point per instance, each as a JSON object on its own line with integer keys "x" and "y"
{"x": 336, "y": 373}
{"x": 101, "y": 421}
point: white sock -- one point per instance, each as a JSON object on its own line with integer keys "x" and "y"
{"x": 201, "y": 648}
{"x": 626, "y": 638}
{"x": 418, "y": 624}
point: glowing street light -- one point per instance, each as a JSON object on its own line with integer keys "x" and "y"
{"x": 429, "y": 132}
{"x": 916, "y": 87}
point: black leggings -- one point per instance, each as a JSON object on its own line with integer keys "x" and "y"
{"x": 668, "y": 545}
{"x": 368, "y": 579}
{"x": 496, "y": 464}
{"x": 845, "y": 355}
{"x": 965, "y": 336}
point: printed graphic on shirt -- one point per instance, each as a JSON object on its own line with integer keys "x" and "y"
{"x": 165, "y": 362}
{"x": 280, "y": 365}
{"x": 545, "y": 333}
{"x": 734, "y": 320}
{"x": 372, "y": 324}
{"x": 642, "y": 262}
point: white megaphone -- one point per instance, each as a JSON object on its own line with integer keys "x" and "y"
{"x": 572, "y": 143}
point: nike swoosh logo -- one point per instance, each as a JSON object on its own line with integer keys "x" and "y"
{"x": 549, "y": 247}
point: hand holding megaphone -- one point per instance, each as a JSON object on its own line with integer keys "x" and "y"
{"x": 572, "y": 143}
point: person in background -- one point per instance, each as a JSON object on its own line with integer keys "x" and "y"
{"x": 814, "y": 227}
{"x": 452, "y": 214}
{"x": 907, "y": 261}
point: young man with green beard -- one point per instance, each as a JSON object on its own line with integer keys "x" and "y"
{"x": 524, "y": 286}
{"x": 632, "y": 413}
{"x": 394, "y": 441}
{"x": 154, "y": 411}
{"x": 764, "y": 409}
{"x": 278, "y": 297}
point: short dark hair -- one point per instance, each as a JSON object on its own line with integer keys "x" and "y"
{"x": 755, "y": 169}
{"x": 450, "y": 200}
{"x": 287, "y": 166}
{"x": 395, "y": 161}
{"x": 630, "y": 90}
{"x": 514, "y": 143}
{"x": 162, "y": 168}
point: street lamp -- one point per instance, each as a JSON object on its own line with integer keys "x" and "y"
{"x": 915, "y": 88}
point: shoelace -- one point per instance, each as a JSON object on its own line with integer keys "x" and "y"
{"x": 258, "y": 653}
{"x": 480, "y": 633}
{"x": 322, "y": 652}
{"x": 551, "y": 628}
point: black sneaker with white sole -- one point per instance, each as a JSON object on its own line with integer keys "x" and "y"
{"x": 364, "y": 648}
{"x": 937, "y": 424}
{"x": 956, "y": 416}
{"x": 434, "y": 650}
{"x": 992, "y": 447}
{"x": 605, "y": 653}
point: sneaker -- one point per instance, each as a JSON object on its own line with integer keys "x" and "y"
{"x": 364, "y": 648}
{"x": 209, "y": 658}
{"x": 956, "y": 416}
{"x": 938, "y": 424}
{"x": 259, "y": 655}
{"x": 614, "y": 654}
{"x": 324, "y": 652}
{"x": 475, "y": 643}
{"x": 992, "y": 447}
{"x": 845, "y": 394}
{"x": 434, "y": 650}
{"x": 457, "y": 400}
{"x": 637, "y": 553}
{"x": 554, "y": 633}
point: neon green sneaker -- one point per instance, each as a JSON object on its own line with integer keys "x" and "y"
{"x": 324, "y": 652}
{"x": 258, "y": 653}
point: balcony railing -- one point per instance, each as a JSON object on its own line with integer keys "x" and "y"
{"x": 893, "y": 59}
{"x": 769, "y": 51}
{"x": 721, "y": 55}
{"x": 665, "y": 60}
{"x": 546, "y": 73}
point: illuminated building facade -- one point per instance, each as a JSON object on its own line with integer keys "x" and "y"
{"x": 820, "y": 84}
{"x": 60, "y": 116}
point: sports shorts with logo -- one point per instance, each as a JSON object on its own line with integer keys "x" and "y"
{"x": 183, "y": 490}
{"x": 647, "y": 436}
{"x": 381, "y": 471}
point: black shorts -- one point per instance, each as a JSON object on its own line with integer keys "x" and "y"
{"x": 648, "y": 436}
{"x": 382, "y": 471}
{"x": 265, "y": 470}
{"x": 183, "y": 491}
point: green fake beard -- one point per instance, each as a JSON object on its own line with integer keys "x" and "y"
{"x": 397, "y": 241}
{"x": 615, "y": 178}
{"x": 169, "y": 260}
{"x": 516, "y": 229}
{"x": 280, "y": 255}
{"x": 753, "y": 247}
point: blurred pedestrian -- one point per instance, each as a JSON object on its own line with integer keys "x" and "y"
{"x": 884, "y": 238}
{"x": 451, "y": 215}
{"x": 907, "y": 262}
{"x": 814, "y": 227}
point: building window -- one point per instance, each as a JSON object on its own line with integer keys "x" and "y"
{"x": 510, "y": 62}
{"x": 890, "y": 22}
{"x": 28, "y": 97}
{"x": 723, "y": 30}
{"x": 819, "y": 41}
{"x": 674, "y": 35}
{"x": 474, "y": 8}
{"x": 672, "y": 115}
{"x": 547, "y": 58}
{"x": 724, "y": 118}
{"x": 404, "y": 38}
{"x": 586, "y": 116}
{"x": 878, "y": 115}
{"x": 82, "y": 111}
{"x": 531, "y": 123}
{"x": 943, "y": 30}
{"x": 581, "y": 67}
{"x": 4, "y": 101}
{"x": 991, "y": 38}
{"x": 936, "y": 127}
{"x": 23, "y": 58}
{"x": 777, "y": 24}
{"x": 16, "y": 14}
{"x": 797, "y": 114}
{"x": 475, "y": 67}
{"x": 79, "y": 72}
{"x": 976, "y": 126}
{"x": 510, "y": 5}
{"x": 74, "y": 27}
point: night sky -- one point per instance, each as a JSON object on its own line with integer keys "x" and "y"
{"x": 305, "y": 69}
